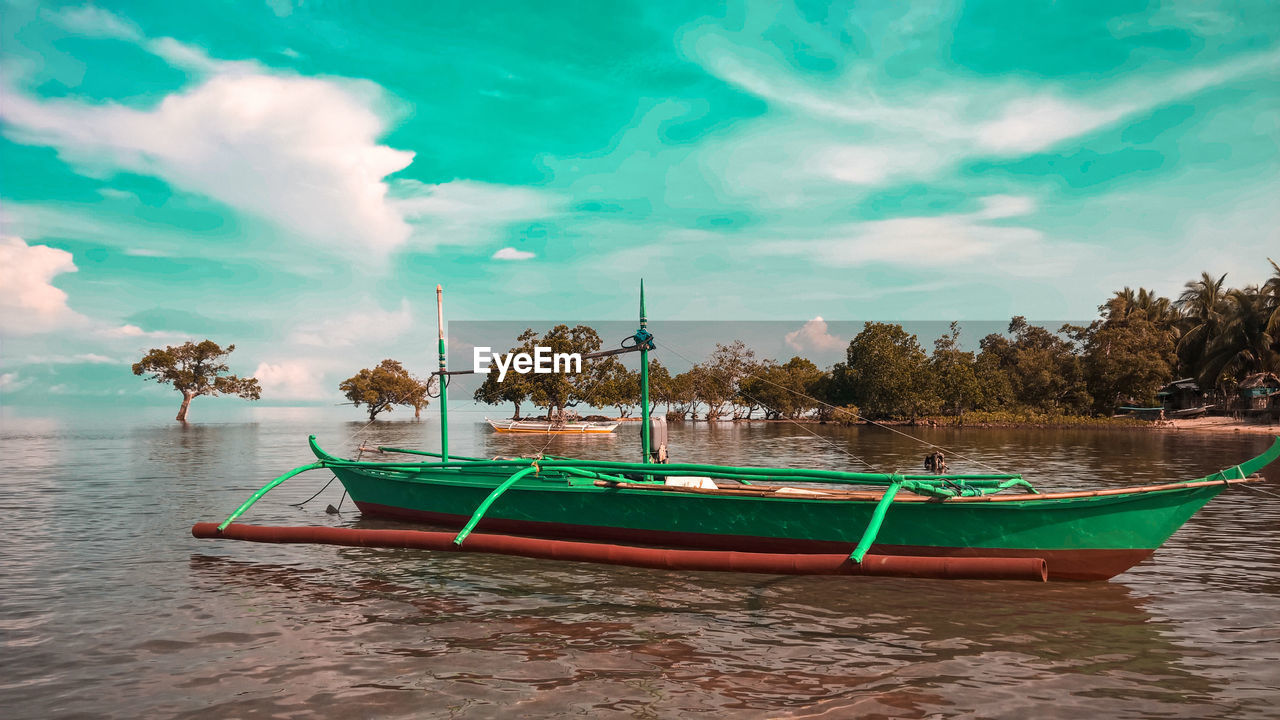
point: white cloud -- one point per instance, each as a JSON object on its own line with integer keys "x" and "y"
{"x": 510, "y": 253}
{"x": 851, "y": 131}
{"x": 869, "y": 164}
{"x": 79, "y": 358}
{"x": 813, "y": 335}
{"x": 302, "y": 152}
{"x": 91, "y": 21}
{"x": 29, "y": 303}
{"x": 1032, "y": 124}
{"x": 133, "y": 331}
{"x": 292, "y": 380}
{"x": 190, "y": 57}
{"x": 10, "y": 382}
{"x": 364, "y": 327}
{"x": 927, "y": 241}
{"x": 466, "y": 211}
{"x": 996, "y": 207}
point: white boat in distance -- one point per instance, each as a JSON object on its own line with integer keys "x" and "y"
{"x": 557, "y": 428}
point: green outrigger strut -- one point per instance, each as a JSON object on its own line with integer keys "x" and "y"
{"x": 484, "y": 506}
{"x": 267, "y": 488}
{"x": 877, "y": 519}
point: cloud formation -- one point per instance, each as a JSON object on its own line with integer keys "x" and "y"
{"x": 510, "y": 253}
{"x": 850, "y": 131}
{"x": 292, "y": 380}
{"x": 925, "y": 241}
{"x": 363, "y": 326}
{"x": 813, "y": 336}
{"x": 301, "y": 152}
{"x": 29, "y": 302}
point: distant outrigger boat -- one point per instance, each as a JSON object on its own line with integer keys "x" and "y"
{"x": 546, "y": 427}
{"x": 748, "y": 519}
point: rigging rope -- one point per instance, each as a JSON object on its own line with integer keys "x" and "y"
{"x": 667, "y": 345}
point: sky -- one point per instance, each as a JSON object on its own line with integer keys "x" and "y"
{"x": 296, "y": 178}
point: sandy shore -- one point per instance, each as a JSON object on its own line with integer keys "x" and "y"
{"x": 1221, "y": 424}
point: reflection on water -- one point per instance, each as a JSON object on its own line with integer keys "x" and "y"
{"x": 109, "y": 607}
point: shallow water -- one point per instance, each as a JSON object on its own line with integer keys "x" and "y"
{"x": 108, "y": 607}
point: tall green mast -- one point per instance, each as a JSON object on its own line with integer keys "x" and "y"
{"x": 444, "y": 379}
{"x": 643, "y": 336}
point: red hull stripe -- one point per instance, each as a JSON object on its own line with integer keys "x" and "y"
{"x": 1086, "y": 564}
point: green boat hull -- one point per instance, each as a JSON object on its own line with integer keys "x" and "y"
{"x": 1081, "y": 538}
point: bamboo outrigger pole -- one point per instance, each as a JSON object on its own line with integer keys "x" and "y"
{"x": 444, "y": 379}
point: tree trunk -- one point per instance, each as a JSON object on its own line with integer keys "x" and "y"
{"x": 516, "y": 416}
{"x": 417, "y": 412}
{"x": 186, "y": 402}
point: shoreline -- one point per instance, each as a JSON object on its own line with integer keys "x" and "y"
{"x": 1215, "y": 424}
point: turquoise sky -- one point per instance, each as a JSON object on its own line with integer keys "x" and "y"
{"x": 296, "y": 178}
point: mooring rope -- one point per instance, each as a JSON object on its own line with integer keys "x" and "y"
{"x": 1257, "y": 489}
{"x": 313, "y": 497}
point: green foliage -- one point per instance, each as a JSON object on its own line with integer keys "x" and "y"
{"x": 1244, "y": 343}
{"x": 1025, "y": 418}
{"x": 955, "y": 374}
{"x": 1042, "y": 369}
{"x": 1227, "y": 334}
{"x": 616, "y": 386}
{"x": 383, "y": 387}
{"x": 782, "y": 390}
{"x": 195, "y": 369}
{"x": 1030, "y": 375}
{"x": 676, "y": 392}
{"x": 513, "y": 388}
{"x": 885, "y": 373}
{"x": 845, "y": 415}
{"x": 1129, "y": 354}
{"x": 715, "y": 382}
{"x": 557, "y": 391}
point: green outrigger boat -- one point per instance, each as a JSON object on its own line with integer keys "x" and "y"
{"x": 778, "y": 520}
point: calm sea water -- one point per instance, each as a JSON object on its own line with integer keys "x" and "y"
{"x": 109, "y": 608}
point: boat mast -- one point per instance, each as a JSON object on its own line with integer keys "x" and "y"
{"x": 644, "y": 380}
{"x": 444, "y": 379}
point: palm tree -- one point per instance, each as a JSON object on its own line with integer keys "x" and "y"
{"x": 1202, "y": 304}
{"x": 1271, "y": 289}
{"x": 1243, "y": 343}
{"x": 1124, "y": 304}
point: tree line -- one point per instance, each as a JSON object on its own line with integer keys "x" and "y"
{"x": 1210, "y": 332}
{"x": 1141, "y": 341}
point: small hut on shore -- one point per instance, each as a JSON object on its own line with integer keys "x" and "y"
{"x": 1259, "y": 394}
{"x": 1182, "y": 394}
